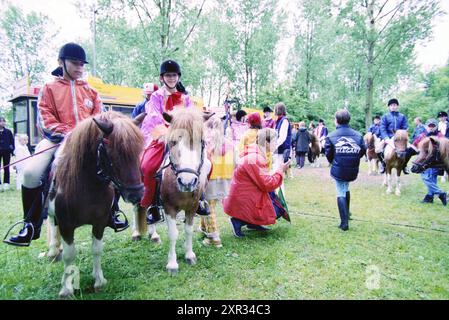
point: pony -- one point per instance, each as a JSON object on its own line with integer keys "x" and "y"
{"x": 184, "y": 172}
{"x": 394, "y": 156}
{"x": 373, "y": 161}
{"x": 433, "y": 153}
{"x": 100, "y": 154}
{"x": 314, "y": 150}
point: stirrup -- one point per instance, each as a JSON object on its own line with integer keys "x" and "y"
{"x": 125, "y": 223}
{"x": 160, "y": 210}
{"x": 18, "y": 244}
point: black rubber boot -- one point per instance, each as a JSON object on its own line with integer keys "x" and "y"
{"x": 155, "y": 211}
{"x": 115, "y": 222}
{"x": 382, "y": 164}
{"x": 408, "y": 154}
{"x": 33, "y": 202}
{"x": 427, "y": 199}
{"x": 348, "y": 203}
{"x": 443, "y": 198}
{"x": 154, "y": 214}
{"x": 343, "y": 210}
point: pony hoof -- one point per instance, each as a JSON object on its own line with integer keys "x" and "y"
{"x": 55, "y": 258}
{"x": 398, "y": 193}
{"x": 191, "y": 261}
{"x": 136, "y": 238}
{"x": 172, "y": 272}
{"x": 66, "y": 293}
{"x": 156, "y": 240}
{"x": 388, "y": 191}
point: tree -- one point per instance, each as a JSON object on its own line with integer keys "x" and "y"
{"x": 25, "y": 44}
{"x": 386, "y": 31}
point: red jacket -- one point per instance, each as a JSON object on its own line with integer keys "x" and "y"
{"x": 62, "y": 104}
{"x": 248, "y": 198}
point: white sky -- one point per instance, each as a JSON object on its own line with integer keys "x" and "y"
{"x": 65, "y": 14}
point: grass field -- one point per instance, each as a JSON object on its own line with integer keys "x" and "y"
{"x": 396, "y": 248}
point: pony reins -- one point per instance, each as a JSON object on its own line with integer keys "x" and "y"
{"x": 33, "y": 155}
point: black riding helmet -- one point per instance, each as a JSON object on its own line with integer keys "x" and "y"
{"x": 70, "y": 51}
{"x": 170, "y": 66}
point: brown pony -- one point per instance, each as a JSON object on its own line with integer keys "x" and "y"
{"x": 373, "y": 161}
{"x": 394, "y": 155}
{"x": 101, "y": 153}
{"x": 184, "y": 178}
{"x": 314, "y": 150}
{"x": 433, "y": 153}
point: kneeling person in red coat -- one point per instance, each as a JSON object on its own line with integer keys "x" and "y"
{"x": 248, "y": 202}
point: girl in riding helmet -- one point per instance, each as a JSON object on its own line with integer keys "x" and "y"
{"x": 62, "y": 104}
{"x": 171, "y": 95}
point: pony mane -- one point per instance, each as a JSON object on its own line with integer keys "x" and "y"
{"x": 401, "y": 135}
{"x": 125, "y": 145}
{"x": 186, "y": 121}
{"x": 369, "y": 138}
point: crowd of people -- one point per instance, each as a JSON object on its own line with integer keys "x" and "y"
{"x": 250, "y": 157}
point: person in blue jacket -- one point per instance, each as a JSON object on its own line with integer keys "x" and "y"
{"x": 375, "y": 126}
{"x": 148, "y": 89}
{"x": 343, "y": 149}
{"x": 389, "y": 124}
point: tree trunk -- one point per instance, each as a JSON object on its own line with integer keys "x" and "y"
{"x": 370, "y": 64}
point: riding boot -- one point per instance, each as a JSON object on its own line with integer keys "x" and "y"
{"x": 382, "y": 164}
{"x": 114, "y": 221}
{"x": 203, "y": 207}
{"x": 348, "y": 202}
{"x": 409, "y": 152}
{"x": 154, "y": 212}
{"x": 33, "y": 202}
{"x": 343, "y": 210}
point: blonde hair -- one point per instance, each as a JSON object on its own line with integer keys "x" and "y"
{"x": 265, "y": 136}
{"x": 302, "y": 124}
{"x": 214, "y": 134}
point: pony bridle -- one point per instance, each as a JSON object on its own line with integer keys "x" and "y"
{"x": 105, "y": 169}
{"x": 177, "y": 170}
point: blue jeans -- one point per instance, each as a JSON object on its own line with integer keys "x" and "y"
{"x": 429, "y": 177}
{"x": 342, "y": 188}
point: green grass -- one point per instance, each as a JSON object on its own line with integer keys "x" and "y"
{"x": 405, "y": 241}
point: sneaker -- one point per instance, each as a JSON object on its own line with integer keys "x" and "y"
{"x": 214, "y": 242}
{"x": 236, "y": 227}
{"x": 443, "y": 198}
{"x": 256, "y": 227}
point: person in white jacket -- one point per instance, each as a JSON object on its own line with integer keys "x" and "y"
{"x": 21, "y": 152}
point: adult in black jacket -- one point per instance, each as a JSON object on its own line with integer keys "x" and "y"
{"x": 301, "y": 144}
{"x": 343, "y": 148}
{"x": 7, "y": 147}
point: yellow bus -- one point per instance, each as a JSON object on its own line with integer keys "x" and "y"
{"x": 114, "y": 97}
